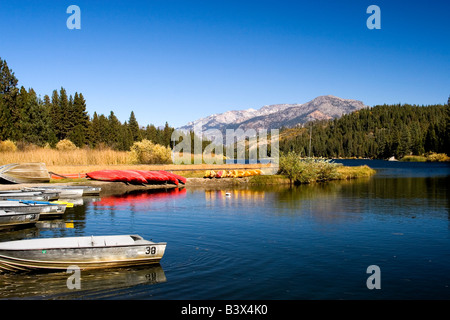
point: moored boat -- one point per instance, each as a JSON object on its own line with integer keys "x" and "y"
{"x": 45, "y": 209}
{"x": 86, "y": 190}
{"x": 10, "y": 219}
{"x": 24, "y": 173}
{"x": 92, "y": 252}
{"x": 63, "y": 192}
{"x": 30, "y": 195}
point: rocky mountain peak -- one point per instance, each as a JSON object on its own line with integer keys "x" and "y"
{"x": 278, "y": 115}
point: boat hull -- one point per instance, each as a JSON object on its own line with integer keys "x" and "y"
{"x": 24, "y": 173}
{"x": 86, "y": 190}
{"x": 63, "y": 192}
{"x": 45, "y": 211}
{"x": 13, "y": 219}
{"x": 38, "y": 196}
{"x": 84, "y": 258}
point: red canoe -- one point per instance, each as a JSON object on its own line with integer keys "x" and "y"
{"x": 178, "y": 177}
{"x": 117, "y": 175}
{"x": 137, "y": 176}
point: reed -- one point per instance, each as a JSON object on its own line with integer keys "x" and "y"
{"x": 52, "y": 157}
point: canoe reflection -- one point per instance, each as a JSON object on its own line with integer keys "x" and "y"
{"x": 92, "y": 282}
{"x": 140, "y": 197}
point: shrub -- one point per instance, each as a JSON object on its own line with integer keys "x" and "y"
{"x": 412, "y": 158}
{"x": 147, "y": 152}
{"x": 439, "y": 157}
{"x": 65, "y": 145}
{"x": 307, "y": 170}
{"x": 8, "y": 146}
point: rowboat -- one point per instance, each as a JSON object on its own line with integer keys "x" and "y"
{"x": 92, "y": 252}
{"x": 10, "y": 219}
{"x": 31, "y": 195}
{"x": 63, "y": 192}
{"x": 45, "y": 209}
{"x": 24, "y": 173}
{"x": 86, "y": 190}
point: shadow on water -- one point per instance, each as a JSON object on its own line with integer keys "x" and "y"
{"x": 93, "y": 284}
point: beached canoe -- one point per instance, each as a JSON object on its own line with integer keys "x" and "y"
{"x": 232, "y": 173}
{"x": 24, "y": 173}
{"x": 45, "y": 209}
{"x": 92, "y": 252}
{"x": 136, "y": 176}
{"x": 10, "y": 219}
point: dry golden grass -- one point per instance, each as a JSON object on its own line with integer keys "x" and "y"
{"x": 53, "y": 157}
{"x": 355, "y": 172}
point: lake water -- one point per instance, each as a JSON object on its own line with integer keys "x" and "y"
{"x": 274, "y": 243}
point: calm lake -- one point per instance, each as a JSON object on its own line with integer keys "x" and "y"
{"x": 274, "y": 242}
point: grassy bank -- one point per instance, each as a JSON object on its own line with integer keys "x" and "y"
{"x": 308, "y": 170}
{"x": 432, "y": 157}
{"x": 195, "y": 178}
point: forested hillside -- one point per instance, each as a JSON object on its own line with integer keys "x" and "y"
{"x": 378, "y": 132}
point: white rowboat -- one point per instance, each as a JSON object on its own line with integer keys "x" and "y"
{"x": 92, "y": 252}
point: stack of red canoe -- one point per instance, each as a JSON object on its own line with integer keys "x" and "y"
{"x": 137, "y": 176}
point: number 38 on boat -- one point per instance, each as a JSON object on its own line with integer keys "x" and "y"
{"x": 91, "y": 252}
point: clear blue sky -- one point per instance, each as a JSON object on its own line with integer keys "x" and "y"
{"x": 177, "y": 61}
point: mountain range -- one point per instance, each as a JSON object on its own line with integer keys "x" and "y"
{"x": 276, "y": 116}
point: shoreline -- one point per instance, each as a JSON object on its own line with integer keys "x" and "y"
{"x": 108, "y": 188}
{"x": 194, "y": 179}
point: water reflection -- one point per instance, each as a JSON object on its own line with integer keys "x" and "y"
{"x": 341, "y": 200}
{"x": 137, "y": 198}
{"x": 94, "y": 283}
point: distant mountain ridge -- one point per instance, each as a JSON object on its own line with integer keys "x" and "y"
{"x": 277, "y": 116}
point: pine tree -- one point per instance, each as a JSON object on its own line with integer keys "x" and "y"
{"x": 103, "y": 125}
{"x": 19, "y": 113}
{"x": 125, "y": 138}
{"x": 55, "y": 115}
{"x": 167, "y": 135}
{"x": 134, "y": 127}
{"x": 94, "y": 131}
{"x": 78, "y": 135}
{"x": 36, "y": 131}
{"x": 114, "y": 128}
{"x": 431, "y": 139}
{"x": 79, "y": 120}
{"x": 8, "y": 94}
{"x": 65, "y": 105}
{"x": 49, "y": 133}
{"x": 151, "y": 133}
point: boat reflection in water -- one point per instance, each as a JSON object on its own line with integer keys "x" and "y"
{"x": 140, "y": 197}
{"x": 96, "y": 284}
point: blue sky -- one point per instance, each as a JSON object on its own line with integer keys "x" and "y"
{"x": 177, "y": 61}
